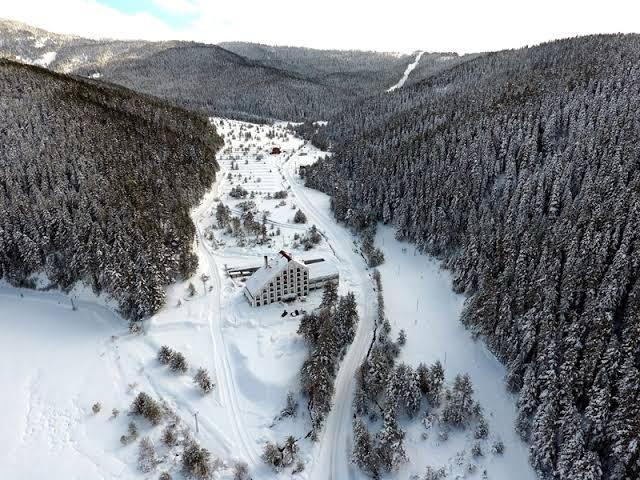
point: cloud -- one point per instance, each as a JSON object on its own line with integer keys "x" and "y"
{"x": 177, "y": 6}
{"x": 87, "y": 18}
{"x": 401, "y": 25}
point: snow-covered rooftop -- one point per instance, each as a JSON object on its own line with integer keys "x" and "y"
{"x": 321, "y": 270}
{"x": 262, "y": 276}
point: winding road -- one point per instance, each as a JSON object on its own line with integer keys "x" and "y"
{"x": 332, "y": 455}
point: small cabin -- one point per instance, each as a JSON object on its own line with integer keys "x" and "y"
{"x": 276, "y": 151}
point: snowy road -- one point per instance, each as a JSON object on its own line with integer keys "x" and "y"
{"x": 329, "y": 460}
{"x": 332, "y": 455}
{"x": 225, "y": 381}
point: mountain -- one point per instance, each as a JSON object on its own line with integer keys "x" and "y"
{"x": 238, "y": 80}
{"x": 359, "y": 72}
{"x": 519, "y": 169}
{"x": 96, "y": 184}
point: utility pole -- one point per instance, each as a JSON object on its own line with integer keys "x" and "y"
{"x": 195, "y": 415}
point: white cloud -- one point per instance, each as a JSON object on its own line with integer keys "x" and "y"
{"x": 177, "y": 6}
{"x": 400, "y": 25}
{"x": 85, "y": 18}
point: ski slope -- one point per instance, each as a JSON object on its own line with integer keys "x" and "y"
{"x": 407, "y": 72}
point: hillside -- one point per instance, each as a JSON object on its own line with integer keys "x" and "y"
{"x": 96, "y": 184}
{"x": 241, "y": 80}
{"x": 519, "y": 170}
{"x": 359, "y": 72}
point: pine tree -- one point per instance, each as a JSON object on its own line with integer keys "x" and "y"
{"x": 364, "y": 453}
{"x": 390, "y": 440}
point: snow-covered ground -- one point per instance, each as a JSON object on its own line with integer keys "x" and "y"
{"x": 59, "y": 361}
{"x": 407, "y": 72}
{"x": 424, "y": 305}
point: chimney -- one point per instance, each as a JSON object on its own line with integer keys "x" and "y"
{"x": 266, "y": 262}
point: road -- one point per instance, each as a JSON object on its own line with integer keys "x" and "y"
{"x": 225, "y": 381}
{"x": 332, "y": 455}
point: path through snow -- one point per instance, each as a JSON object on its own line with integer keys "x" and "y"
{"x": 405, "y": 76}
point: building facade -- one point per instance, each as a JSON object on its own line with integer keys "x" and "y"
{"x": 279, "y": 278}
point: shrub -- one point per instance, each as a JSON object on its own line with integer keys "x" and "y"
{"x": 482, "y": 429}
{"x": 497, "y": 448}
{"x": 114, "y": 413}
{"x": 96, "y": 407}
{"x": 178, "y": 363}
{"x": 146, "y": 456}
{"x": 203, "y": 380}
{"x": 169, "y": 437}
{"x": 241, "y": 471}
{"x": 196, "y": 461}
{"x": 434, "y": 474}
{"x": 299, "y": 467}
{"x": 282, "y": 194}
{"x": 238, "y": 192}
{"x": 272, "y": 456}
{"x": 291, "y": 408}
{"x": 146, "y": 406}
{"x": 476, "y": 450}
{"x": 164, "y": 355}
{"x": 164, "y": 476}
{"x": 135, "y": 328}
{"x": 132, "y": 429}
{"x": 299, "y": 217}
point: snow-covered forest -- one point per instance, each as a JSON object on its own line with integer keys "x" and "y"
{"x": 479, "y": 214}
{"x": 295, "y": 83}
{"x": 96, "y": 184}
{"x": 519, "y": 170}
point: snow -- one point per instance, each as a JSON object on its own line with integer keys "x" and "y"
{"x": 424, "y": 305}
{"x": 263, "y": 275}
{"x": 321, "y": 270}
{"x": 44, "y": 61}
{"x": 405, "y": 76}
{"x": 63, "y": 361}
{"x": 57, "y": 363}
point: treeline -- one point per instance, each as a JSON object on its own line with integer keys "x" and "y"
{"x": 250, "y": 82}
{"x": 387, "y": 392}
{"x": 520, "y": 170}
{"x": 96, "y": 183}
{"x": 328, "y": 332}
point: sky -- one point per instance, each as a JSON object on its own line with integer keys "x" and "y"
{"x": 394, "y": 25}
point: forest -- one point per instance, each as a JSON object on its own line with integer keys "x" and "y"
{"x": 96, "y": 184}
{"x": 237, "y": 80}
{"x": 519, "y": 170}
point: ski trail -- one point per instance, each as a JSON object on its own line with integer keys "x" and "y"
{"x": 225, "y": 381}
{"x": 332, "y": 460}
{"x": 405, "y": 76}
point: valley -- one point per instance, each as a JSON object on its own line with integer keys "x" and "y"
{"x": 253, "y": 354}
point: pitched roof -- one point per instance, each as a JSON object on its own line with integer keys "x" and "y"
{"x": 265, "y": 274}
